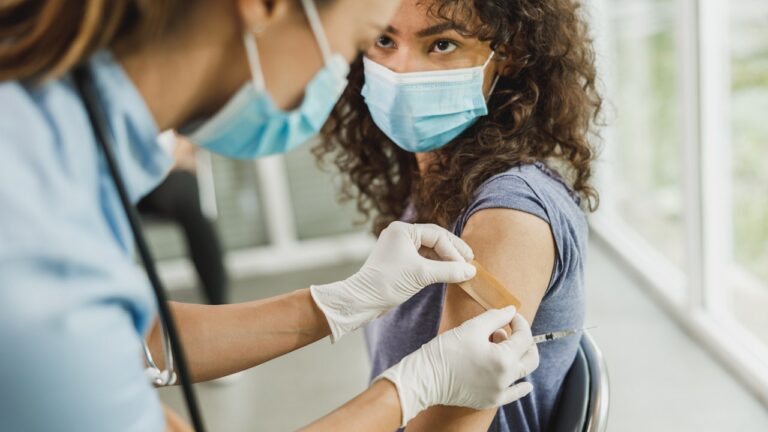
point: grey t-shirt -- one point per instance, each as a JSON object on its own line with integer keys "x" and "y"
{"x": 536, "y": 190}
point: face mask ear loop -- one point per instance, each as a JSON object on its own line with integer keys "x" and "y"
{"x": 257, "y": 76}
{"x": 489, "y": 59}
{"x": 317, "y": 29}
{"x": 495, "y": 80}
{"x": 493, "y": 87}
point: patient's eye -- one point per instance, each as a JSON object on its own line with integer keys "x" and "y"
{"x": 385, "y": 42}
{"x": 444, "y": 46}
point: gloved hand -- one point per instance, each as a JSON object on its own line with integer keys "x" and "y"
{"x": 393, "y": 273}
{"x": 461, "y": 367}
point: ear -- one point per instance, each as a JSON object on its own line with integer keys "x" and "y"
{"x": 511, "y": 56}
{"x": 505, "y": 65}
{"x": 257, "y": 15}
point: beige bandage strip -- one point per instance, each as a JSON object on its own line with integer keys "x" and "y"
{"x": 488, "y": 291}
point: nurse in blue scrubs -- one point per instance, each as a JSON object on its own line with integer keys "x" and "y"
{"x": 245, "y": 78}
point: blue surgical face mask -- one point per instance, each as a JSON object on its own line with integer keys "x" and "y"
{"x": 250, "y": 125}
{"x": 423, "y": 111}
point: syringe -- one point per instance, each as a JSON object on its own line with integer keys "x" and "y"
{"x": 546, "y": 337}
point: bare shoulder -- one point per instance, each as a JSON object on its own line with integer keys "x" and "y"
{"x": 495, "y": 227}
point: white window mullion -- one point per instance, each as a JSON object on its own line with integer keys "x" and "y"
{"x": 688, "y": 85}
{"x": 715, "y": 157}
{"x": 276, "y": 201}
{"x": 207, "y": 184}
{"x": 600, "y": 19}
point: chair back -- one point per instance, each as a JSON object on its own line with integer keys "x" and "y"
{"x": 583, "y": 403}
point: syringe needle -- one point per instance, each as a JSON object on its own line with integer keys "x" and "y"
{"x": 551, "y": 336}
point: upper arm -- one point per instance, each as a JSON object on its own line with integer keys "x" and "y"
{"x": 518, "y": 248}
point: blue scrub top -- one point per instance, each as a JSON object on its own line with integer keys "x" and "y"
{"x": 74, "y": 306}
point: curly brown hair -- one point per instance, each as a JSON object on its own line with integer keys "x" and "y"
{"x": 543, "y": 110}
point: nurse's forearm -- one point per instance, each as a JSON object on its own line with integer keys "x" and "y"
{"x": 221, "y": 340}
{"x": 174, "y": 423}
{"x": 376, "y": 409}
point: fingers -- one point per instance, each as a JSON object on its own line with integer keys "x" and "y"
{"x": 515, "y": 392}
{"x": 491, "y": 320}
{"x": 529, "y": 362}
{"x": 446, "y": 245}
{"x": 520, "y": 341}
{"x": 499, "y": 336}
{"x": 448, "y": 271}
{"x": 520, "y": 325}
{"x": 428, "y": 253}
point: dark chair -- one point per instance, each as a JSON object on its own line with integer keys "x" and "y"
{"x": 583, "y": 404}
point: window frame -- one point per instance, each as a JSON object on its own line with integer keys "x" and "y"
{"x": 695, "y": 295}
{"x": 285, "y": 252}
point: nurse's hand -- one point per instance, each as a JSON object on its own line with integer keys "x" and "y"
{"x": 393, "y": 273}
{"x": 462, "y": 367}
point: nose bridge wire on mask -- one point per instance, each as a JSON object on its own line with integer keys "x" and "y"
{"x": 428, "y": 76}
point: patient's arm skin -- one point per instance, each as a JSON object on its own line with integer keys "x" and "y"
{"x": 519, "y": 249}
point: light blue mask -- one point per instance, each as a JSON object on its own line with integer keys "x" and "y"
{"x": 250, "y": 125}
{"x": 423, "y": 111}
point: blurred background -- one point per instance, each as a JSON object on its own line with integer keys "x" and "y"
{"x": 678, "y": 266}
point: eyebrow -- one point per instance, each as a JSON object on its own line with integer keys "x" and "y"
{"x": 433, "y": 30}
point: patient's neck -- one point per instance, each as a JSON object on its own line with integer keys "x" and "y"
{"x": 424, "y": 160}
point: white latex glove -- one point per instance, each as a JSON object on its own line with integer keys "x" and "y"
{"x": 393, "y": 273}
{"x": 461, "y": 367}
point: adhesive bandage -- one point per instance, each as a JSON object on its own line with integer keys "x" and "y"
{"x": 488, "y": 291}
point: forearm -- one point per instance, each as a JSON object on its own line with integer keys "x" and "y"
{"x": 376, "y": 409}
{"x": 221, "y": 340}
{"x": 174, "y": 423}
{"x": 451, "y": 418}
{"x": 460, "y": 367}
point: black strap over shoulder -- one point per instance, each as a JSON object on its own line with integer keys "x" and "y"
{"x": 89, "y": 95}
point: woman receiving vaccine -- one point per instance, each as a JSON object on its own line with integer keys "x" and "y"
{"x": 245, "y": 78}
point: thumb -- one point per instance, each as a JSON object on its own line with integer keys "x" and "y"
{"x": 520, "y": 340}
{"x": 448, "y": 271}
{"x": 515, "y": 392}
{"x": 443, "y": 242}
{"x": 499, "y": 336}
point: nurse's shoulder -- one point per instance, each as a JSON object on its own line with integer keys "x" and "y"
{"x": 38, "y": 120}
{"x": 45, "y": 161}
{"x": 58, "y": 251}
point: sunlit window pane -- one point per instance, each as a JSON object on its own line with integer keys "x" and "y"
{"x": 240, "y": 220}
{"x": 314, "y": 194}
{"x": 647, "y": 145}
{"x": 749, "y": 137}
